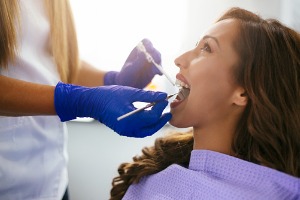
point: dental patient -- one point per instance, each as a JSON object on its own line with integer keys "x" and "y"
{"x": 241, "y": 97}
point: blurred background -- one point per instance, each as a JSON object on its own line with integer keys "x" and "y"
{"x": 107, "y": 32}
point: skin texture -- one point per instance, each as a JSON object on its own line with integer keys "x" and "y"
{"x": 216, "y": 101}
{"x": 38, "y": 99}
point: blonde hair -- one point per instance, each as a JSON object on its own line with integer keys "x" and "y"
{"x": 62, "y": 34}
{"x": 8, "y": 17}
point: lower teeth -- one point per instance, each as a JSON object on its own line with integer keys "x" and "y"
{"x": 183, "y": 93}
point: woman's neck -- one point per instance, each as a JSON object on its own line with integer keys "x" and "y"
{"x": 214, "y": 139}
{"x": 214, "y": 142}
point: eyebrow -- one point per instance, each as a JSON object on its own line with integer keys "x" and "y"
{"x": 214, "y": 38}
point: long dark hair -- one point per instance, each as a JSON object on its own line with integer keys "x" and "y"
{"x": 269, "y": 70}
{"x": 269, "y": 130}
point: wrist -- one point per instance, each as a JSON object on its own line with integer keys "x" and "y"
{"x": 110, "y": 78}
{"x": 63, "y": 102}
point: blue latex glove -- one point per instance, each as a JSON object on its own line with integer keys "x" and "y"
{"x": 107, "y": 103}
{"x": 137, "y": 71}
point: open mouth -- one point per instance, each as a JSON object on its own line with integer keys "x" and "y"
{"x": 184, "y": 90}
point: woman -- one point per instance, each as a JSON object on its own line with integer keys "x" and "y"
{"x": 242, "y": 97}
{"x": 39, "y": 65}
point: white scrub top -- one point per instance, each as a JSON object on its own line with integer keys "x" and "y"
{"x": 33, "y": 156}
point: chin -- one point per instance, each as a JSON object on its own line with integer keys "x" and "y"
{"x": 176, "y": 122}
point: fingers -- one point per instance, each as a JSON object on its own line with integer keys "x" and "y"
{"x": 155, "y": 55}
{"x": 150, "y": 49}
{"x": 153, "y": 128}
{"x": 151, "y": 116}
{"x": 133, "y": 55}
{"x": 140, "y": 62}
{"x": 145, "y": 123}
{"x": 158, "y": 108}
{"x": 138, "y": 55}
{"x": 147, "y": 43}
{"x": 148, "y": 96}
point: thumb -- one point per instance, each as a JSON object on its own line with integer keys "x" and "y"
{"x": 148, "y": 96}
{"x": 152, "y": 51}
{"x": 151, "y": 129}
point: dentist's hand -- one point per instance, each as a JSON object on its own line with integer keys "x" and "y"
{"x": 137, "y": 71}
{"x": 107, "y": 103}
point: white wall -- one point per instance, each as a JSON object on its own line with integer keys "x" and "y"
{"x": 201, "y": 14}
{"x": 106, "y": 36}
{"x": 95, "y": 152}
{"x": 290, "y": 14}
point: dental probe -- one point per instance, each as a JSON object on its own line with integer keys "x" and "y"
{"x": 142, "y": 108}
{"x": 150, "y": 59}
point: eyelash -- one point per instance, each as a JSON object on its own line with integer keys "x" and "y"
{"x": 206, "y": 47}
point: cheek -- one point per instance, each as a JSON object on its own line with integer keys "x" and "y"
{"x": 211, "y": 93}
{"x": 184, "y": 116}
{"x": 213, "y": 83}
{"x": 188, "y": 113}
{"x": 206, "y": 86}
{"x": 209, "y": 98}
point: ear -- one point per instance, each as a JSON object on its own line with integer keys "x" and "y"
{"x": 240, "y": 97}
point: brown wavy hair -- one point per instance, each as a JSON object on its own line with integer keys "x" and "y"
{"x": 64, "y": 47}
{"x": 268, "y": 132}
{"x": 174, "y": 148}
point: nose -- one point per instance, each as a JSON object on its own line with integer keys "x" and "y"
{"x": 182, "y": 61}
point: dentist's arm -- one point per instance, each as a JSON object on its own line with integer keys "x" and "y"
{"x": 105, "y": 104}
{"x": 20, "y": 98}
{"x": 89, "y": 76}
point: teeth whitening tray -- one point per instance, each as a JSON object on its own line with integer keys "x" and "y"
{"x": 150, "y": 59}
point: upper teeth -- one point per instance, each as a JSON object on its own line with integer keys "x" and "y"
{"x": 179, "y": 83}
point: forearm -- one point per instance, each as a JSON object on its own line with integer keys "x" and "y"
{"x": 89, "y": 76}
{"x": 20, "y": 98}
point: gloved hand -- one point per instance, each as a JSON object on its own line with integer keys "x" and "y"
{"x": 107, "y": 103}
{"x": 137, "y": 71}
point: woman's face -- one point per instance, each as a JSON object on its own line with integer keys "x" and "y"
{"x": 208, "y": 70}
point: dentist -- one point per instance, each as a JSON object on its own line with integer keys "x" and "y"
{"x": 44, "y": 83}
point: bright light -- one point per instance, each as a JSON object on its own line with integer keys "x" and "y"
{"x": 109, "y": 30}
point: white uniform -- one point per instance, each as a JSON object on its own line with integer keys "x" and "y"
{"x": 33, "y": 156}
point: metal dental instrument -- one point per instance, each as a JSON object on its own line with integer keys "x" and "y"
{"x": 142, "y": 108}
{"x": 150, "y": 59}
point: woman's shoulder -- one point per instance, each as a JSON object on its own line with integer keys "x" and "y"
{"x": 243, "y": 176}
{"x": 213, "y": 175}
